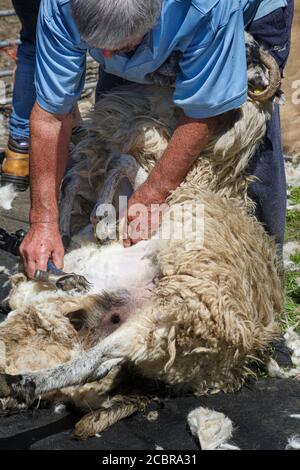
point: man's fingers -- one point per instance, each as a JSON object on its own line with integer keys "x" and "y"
{"x": 41, "y": 243}
{"x": 58, "y": 259}
{"x": 30, "y": 268}
{"x": 127, "y": 243}
{"x": 42, "y": 262}
{"x": 31, "y": 265}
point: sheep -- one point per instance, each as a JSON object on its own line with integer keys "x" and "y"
{"x": 192, "y": 314}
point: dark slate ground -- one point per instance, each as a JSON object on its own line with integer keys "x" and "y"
{"x": 260, "y": 411}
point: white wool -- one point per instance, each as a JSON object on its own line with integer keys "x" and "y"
{"x": 7, "y": 196}
{"x": 228, "y": 447}
{"x": 4, "y": 270}
{"x": 290, "y": 249}
{"x": 60, "y": 408}
{"x": 292, "y": 340}
{"x": 275, "y": 371}
{"x": 293, "y": 443}
{"x": 295, "y": 416}
{"x": 212, "y": 428}
{"x": 5, "y": 284}
{"x": 292, "y": 173}
{"x": 294, "y": 207}
{"x": 118, "y": 265}
{"x": 293, "y": 343}
{"x": 152, "y": 416}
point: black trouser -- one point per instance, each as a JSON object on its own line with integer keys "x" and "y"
{"x": 269, "y": 191}
{"x": 27, "y": 11}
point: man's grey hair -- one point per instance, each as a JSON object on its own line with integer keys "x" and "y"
{"x": 109, "y": 24}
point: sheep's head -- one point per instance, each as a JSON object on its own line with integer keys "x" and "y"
{"x": 37, "y": 337}
{"x": 49, "y": 327}
{"x": 264, "y": 76}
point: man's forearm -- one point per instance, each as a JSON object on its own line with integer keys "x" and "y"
{"x": 49, "y": 149}
{"x": 188, "y": 141}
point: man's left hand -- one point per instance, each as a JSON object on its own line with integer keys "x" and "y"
{"x": 143, "y": 214}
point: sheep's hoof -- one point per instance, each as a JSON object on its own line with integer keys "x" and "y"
{"x": 18, "y": 387}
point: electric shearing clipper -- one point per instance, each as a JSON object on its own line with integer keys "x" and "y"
{"x": 54, "y": 277}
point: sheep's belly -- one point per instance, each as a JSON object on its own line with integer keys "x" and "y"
{"x": 111, "y": 268}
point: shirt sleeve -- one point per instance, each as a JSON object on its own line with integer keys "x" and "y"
{"x": 60, "y": 59}
{"x": 213, "y": 76}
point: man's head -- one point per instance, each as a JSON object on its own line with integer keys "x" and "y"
{"x": 115, "y": 25}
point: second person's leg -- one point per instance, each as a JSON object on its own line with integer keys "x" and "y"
{"x": 273, "y": 32}
{"x": 16, "y": 164}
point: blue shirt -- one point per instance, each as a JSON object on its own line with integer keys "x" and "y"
{"x": 208, "y": 33}
{"x": 267, "y": 6}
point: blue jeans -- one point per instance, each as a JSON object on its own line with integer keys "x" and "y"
{"x": 24, "y": 90}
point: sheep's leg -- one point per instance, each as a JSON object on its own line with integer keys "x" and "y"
{"x": 129, "y": 167}
{"x": 90, "y": 366}
{"x": 120, "y": 168}
{"x": 69, "y": 189}
{"x": 98, "y": 421}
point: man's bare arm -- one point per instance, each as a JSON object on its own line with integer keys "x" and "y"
{"x": 49, "y": 148}
{"x": 187, "y": 143}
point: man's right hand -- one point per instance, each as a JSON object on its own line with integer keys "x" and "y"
{"x": 42, "y": 243}
{"x": 49, "y": 150}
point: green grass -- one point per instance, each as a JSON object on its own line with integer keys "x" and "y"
{"x": 293, "y": 226}
{"x": 294, "y": 195}
{"x": 292, "y": 304}
{"x": 296, "y": 258}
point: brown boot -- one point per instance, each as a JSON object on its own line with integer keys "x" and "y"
{"x": 15, "y": 166}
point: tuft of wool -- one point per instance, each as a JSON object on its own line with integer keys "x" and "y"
{"x": 7, "y": 196}
{"x": 228, "y": 447}
{"x": 292, "y": 340}
{"x": 60, "y": 408}
{"x": 4, "y": 270}
{"x": 293, "y": 443}
{"x": 290, "y": 248}
{"x": 275, "y": 371}
{"x": 213, "y": 429}
{"x": 152, "y": 416}
{"x": 292, "y": 171}
{"x": 293, "y": 343}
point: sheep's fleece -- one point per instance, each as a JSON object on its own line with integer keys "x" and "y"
{"x": 192, "y": 317}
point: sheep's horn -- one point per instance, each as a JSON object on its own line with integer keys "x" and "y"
{"x": 274, "y": 79}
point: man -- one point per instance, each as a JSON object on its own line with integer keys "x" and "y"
{"x": 16, "y": 164}
{"x": 132, "y": 39}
